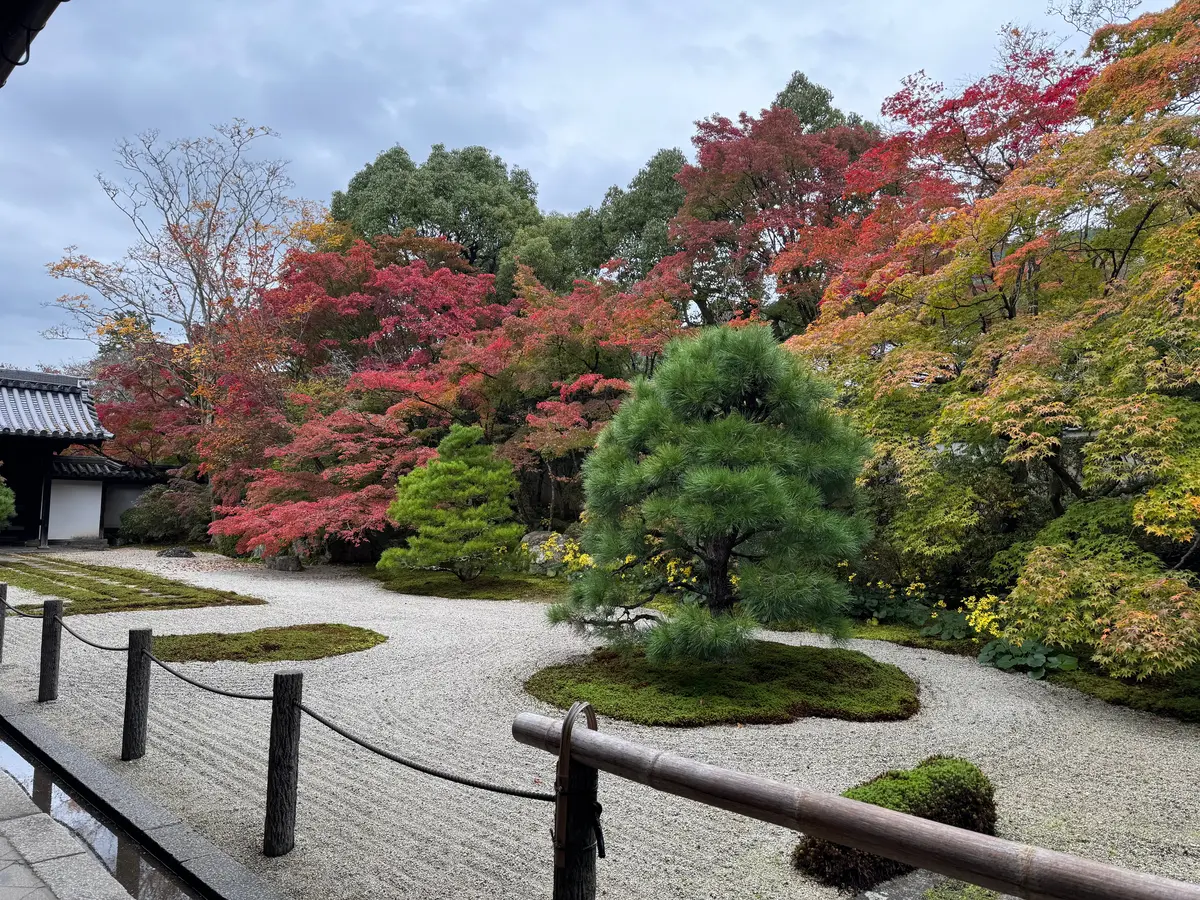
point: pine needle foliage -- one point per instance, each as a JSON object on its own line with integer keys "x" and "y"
{"x": 460, "y": 506}
{"x": 723, "y": 490}
{"x": 8, "y": 503}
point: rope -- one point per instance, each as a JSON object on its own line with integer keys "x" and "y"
{"x": 427, "y": 770}
{"x": 207, "y": 687}
{"x": 17, "y": 611}
{"x": 59, "y": 620}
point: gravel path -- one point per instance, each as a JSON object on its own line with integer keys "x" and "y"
{"x": 1071, "y": 773}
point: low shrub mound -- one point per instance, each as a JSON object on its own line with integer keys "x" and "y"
{"x": 102, "y": 589}
{"x": 1175, "y": 695}
{"x": 771, "y": 683}
{"x": 942, "y": 788}
{"x": 291, "y": 642}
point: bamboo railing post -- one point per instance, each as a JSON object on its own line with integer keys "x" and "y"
{"x": 283, "y": 764}
{"x": 3, "y": 615}
{"x": 137, "y": 694}
{"x": 990, "y": 862}
{"x": 576, "y": 817}
{"x": 51, "y": 645}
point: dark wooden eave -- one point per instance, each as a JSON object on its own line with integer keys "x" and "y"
{"x": 20, "y": 22}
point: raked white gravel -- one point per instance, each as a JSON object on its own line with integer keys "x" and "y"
{"x": 1071, "y": 773}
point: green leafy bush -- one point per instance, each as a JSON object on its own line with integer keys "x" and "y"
{"x": 942, "y": 788}
{"x": 883, "y": 603}
{"x": 178, "y": 512}
{"x": 8, "y": 504}
{"x": 1084, "y": 582}
{"x": 726, "y": 484}
{"x": 1029, "y": 656}
{"x": 948, "y": 625}
{"x": 460, "y": 505}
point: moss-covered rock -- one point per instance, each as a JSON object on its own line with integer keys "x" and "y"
{"x": 942, "y": 788}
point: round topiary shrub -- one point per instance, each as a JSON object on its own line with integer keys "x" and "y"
{"x": 942, "y": 788}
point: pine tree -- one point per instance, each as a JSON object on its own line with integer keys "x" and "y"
{"x": 8, "y": 504}
{"x": 460, "y": 505}
{"x": 725, "y": 485}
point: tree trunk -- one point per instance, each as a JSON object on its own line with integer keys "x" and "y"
{"x": 720, "y": 593}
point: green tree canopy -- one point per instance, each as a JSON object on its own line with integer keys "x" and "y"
{"x": 726, "y": 484}
{"x": 813, "y": 105}
{"x": 461, "y": 507}
{"x": 630, "y": 224}
{"x": 468, "y": 195}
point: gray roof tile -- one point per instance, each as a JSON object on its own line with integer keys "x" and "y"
{"x": 33, "y": 404}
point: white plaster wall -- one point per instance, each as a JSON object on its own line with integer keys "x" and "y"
{"x": 75, "y": 509}
{"x": 117, "y": 499}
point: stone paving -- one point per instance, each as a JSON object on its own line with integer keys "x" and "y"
{"x": 42, "y": 860}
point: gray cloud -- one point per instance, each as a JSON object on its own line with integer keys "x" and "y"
{"x": 579, "y": 93}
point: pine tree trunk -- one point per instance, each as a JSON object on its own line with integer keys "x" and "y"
{"x": 720, "y": 594}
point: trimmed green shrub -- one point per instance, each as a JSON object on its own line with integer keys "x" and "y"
{"x": 942, "y": 788}
{"x": 8, "y": 503}
{"x": 461, "y": 507}
{"x": 178, "y": 512}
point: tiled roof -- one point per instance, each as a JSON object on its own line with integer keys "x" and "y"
{"x": 33, "y": 404}
{"x": 99, "y": 468}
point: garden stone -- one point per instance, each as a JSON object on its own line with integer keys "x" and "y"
{"x": 177, "y": 553}
{"x": 283, "y": 563}
{"x": 546, "y": 549}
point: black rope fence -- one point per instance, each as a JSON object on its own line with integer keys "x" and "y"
{"x": 287, "y": 710}
{"x": 425, "y": 769}
{"x": 206, "y": 687}
{"x": 11, "y": 608}
{"x": 80, "y": 637}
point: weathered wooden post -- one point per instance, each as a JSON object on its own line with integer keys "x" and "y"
{"x": 577, "y": 835}
{"x": 3, "y": 615}
{"x": 283, "y": 764}
{"x": 43, "y": 789}
{"x": 137, "y": 694}
{"x": 51, "y": 643}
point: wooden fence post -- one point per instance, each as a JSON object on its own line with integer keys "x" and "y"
{"x": 51, "y": 643}
{"x": 576, "y": 818}
{"x": 3, "y": 615}
{"x": 283, "y": 764}
{"x": 43, "y": 789}
{"x": 137, "y": 694}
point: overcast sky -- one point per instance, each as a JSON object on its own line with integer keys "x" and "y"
{"x": 581, "y": 93}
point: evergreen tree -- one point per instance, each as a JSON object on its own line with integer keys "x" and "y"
{"x": 8, "y": 503}
{"x": 724, "y": 484}
{"x": 460, "y": 505}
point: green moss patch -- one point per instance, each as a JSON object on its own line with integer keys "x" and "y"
{"x": 942, "y": 788}
{"x": 959, "y": 890}
{"x": 101, "y": 589}
{"x": 772, "y": 683}
{"x": 291, "y": 642}
{"x": 432, "y": 583}
{"x": 1176, "y": 695}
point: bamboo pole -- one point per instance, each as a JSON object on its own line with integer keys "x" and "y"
{"x": 991, "y": 862}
